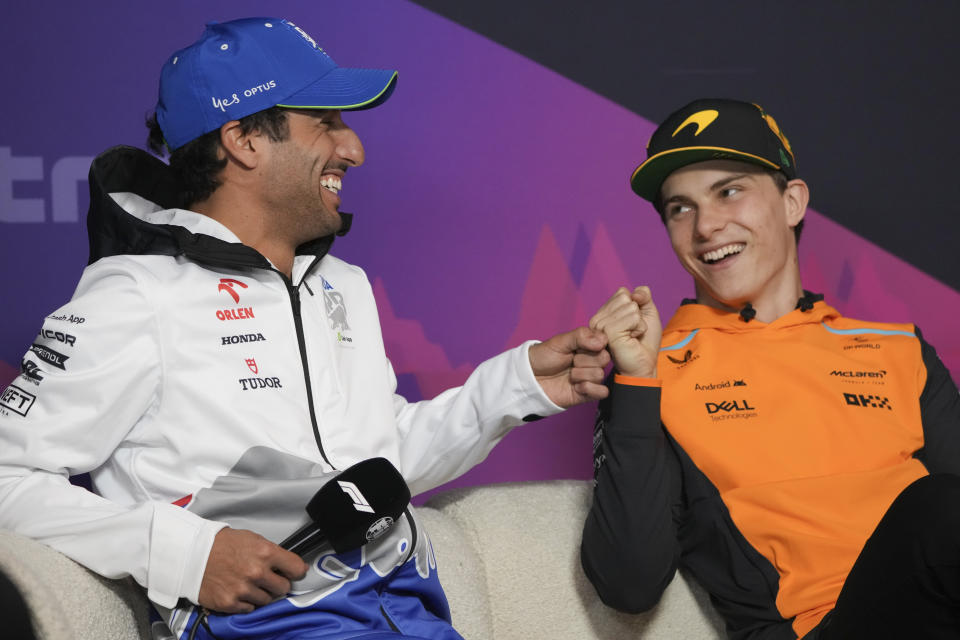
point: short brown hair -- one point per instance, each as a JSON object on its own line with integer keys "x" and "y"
{"x": 197, "y": 164}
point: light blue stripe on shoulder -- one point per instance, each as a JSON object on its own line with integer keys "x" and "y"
{"x": 682, "y": 343}
{"x": 882, "y": 332}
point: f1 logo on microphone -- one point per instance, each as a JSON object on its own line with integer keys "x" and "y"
{"x": 359, "y": 502}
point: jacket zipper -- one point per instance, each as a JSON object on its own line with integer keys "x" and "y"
{"x": 302, "y": 343}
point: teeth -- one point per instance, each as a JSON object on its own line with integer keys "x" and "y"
{"x": 722, "y": 252}
{"x": 331, "y": 183}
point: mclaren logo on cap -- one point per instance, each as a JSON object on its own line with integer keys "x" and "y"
{"x": 702, "y": 119}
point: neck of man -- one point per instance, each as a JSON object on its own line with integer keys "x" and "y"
{"x": 774, "y": 301}
{"x": 251, "y": 225}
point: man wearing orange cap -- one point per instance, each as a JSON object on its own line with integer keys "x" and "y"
{"x": 798, "y": 463}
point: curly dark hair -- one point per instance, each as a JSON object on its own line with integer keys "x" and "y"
{"x": 197, "y": 164}
{"x": 779, "y": 178}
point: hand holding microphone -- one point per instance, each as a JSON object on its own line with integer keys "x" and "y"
{"x": 354, "y": 507}
{"x": 245, "y": 570}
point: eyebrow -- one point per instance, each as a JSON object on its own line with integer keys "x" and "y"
{"x": 716, "y": 186}
{"x": 722, "y": 182}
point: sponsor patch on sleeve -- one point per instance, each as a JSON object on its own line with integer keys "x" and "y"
{"x": 17, "y": 400}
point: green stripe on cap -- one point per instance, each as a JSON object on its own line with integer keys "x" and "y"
{"x": 346, "y": 106}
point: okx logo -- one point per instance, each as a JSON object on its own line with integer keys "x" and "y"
{"x": 860, "y": 400}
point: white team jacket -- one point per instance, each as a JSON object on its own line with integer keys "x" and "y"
{"x": 181, "y": 353}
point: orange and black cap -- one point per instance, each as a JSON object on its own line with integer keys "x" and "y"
{"x": 712, "y": 129}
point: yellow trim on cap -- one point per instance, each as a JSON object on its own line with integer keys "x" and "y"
{"x": 344, "y": 106}
{"x": 679, "y": 149}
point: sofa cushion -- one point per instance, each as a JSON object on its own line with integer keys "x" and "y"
{"x": 527, "y": 537}
{"x": 66, "y": 600}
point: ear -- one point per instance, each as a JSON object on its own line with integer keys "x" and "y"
{"x": 796, "y": 197}
{"x": 239, "y": 147}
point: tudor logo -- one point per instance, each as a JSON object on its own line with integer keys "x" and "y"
{"x": 251, "y": 384}
{"x": 702, "y": 119}
{"x": 227, "y": 284}
{"x": 252, "y": 364}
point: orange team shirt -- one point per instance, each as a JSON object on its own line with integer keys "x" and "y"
{"x": 806, "y": 426}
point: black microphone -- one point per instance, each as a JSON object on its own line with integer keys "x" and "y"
{"x": 354, "y": 507}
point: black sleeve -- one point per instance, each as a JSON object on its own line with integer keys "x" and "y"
{"x": 629, "y": 549}
{"x": 940, "y": 412}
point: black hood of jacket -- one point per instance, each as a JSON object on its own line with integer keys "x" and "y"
{"x": 113, "y": 231}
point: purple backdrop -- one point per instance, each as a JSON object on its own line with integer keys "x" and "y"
{"x": 494, "y": 205}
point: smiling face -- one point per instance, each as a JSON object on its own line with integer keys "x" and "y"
{"x": 303, "y": 175}
{"x": 732, "y": 230}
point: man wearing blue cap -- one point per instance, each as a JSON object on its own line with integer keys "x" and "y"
{"x": 800, "y": 464}
{"x": 217, "y": 365}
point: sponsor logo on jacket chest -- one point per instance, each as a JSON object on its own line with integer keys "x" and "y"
{"x": 242, "y": 339}
{"x": 730, "y": 410}
{"x": 867, "y": 401}
{"x": 229, "y": 286}
{"x": 861, "y": 342}
{"x": 253, "y": 384}
{"x": 851, "y": 376}
{"x": 722, "y": 384}
{"x": 240, "y": 313}
{"x": 336, "y": 309}
{"x": 683, "y": 360}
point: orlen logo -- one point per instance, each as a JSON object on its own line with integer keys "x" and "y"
{"x": 240, "y": 313}
{"x": 727, "y": 406}
{"x": 227, "y": 284}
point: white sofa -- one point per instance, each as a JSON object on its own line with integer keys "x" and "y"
{"x": 508, "y": 557}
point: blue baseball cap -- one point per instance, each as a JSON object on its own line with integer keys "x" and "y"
{"x": 243, "y": 66}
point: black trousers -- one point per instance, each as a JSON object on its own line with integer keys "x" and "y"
{"x": 906, "y": 580}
